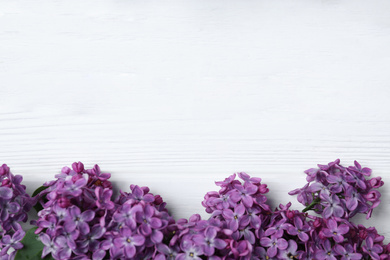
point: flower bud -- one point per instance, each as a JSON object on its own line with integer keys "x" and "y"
{"x": 76, "y": 177}
{"x": 66, "y": 170}
{"x": 373, "y": 195}
{"x": 158, "y": 200}
{"x": 6, "y": 183}
{"x": 64, "y": 202}
{"x": 317, "y": 223}
{"x": 376, "y": 182}
{"x": 263, "y": 188}
{"x": 78, "y": 167}
{"x": 363, "y": 233}
{"x": 290, "y": 214}
{"x": 4, "y": 169}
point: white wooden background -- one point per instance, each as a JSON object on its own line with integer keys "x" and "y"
{"x": 177, "y": 94}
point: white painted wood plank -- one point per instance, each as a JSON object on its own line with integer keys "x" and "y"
{"x": 175, "y": 95}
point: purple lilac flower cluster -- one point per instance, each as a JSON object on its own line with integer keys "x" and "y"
{"x": 243, "y": 226}
{"x": 76, "y": 207}
{"x": 14, "y": 205}
{"x": 239, "y": 210}
{"x": 80, "y": 220}
{"x": 335, "y": 190}
{"x": 138, "y": 226}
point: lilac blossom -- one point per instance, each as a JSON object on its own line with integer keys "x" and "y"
{"x": 372, "y": 249}
{"x": 14, "y": 205}
{"x": 241, "y": 248}
{"x": 79, "y": 220}
{"x": 128, "y": 241}
{"x": 147, "y": 220}
{"x": 347, "y": 252}
{"x": 326, "y": 252}
{"x": 166, "y": 253}
{"x": 299, "y": 229}
{"x": 274, "y": 244}
{"x": 335, "y": 231}
{"x": 103, "y": 198}
{"x": 278, "y": 228}
{"x": 244, "y": 193}
{"x": 13, "y": 241}
{"x": 332, "y": 206}
{"x": 290, "y": 252}
{"x": 209, "y": 241}
{"x": 73, "y": 188}
{"x": 49, "y": 245}
{"x": 233, "y": 217}
{"x": 126, "y": 214}
{"x": 82, "y": 220}
{"x": 191, "y": 251}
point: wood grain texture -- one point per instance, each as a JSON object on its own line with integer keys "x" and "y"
{"x": 175, "y": 95}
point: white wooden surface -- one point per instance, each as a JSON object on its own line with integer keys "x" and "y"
{"x": 177, "y": 94}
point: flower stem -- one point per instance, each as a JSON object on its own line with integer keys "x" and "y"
{"x": 311, "y": 205}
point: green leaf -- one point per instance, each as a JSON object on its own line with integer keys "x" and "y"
{"x": 38, "y": 207}
{"x": 37, "y": 191}
{"x": 32, "y": 247}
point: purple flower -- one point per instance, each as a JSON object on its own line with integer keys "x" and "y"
{"x": 223, "y": 202}
{"x": 299, "y": 229}
{"x": 227, "y": 184}
{"x": 103, "y": 198}
{"x": 356, "y": 177}
{"x": 312, "y": 174}
{"x": 49, "y": 245}
{"x": 246, "y": 232}
{"x": 347, "y": 252}
{"x": 169, "y": 253}
{"x": 191, "y": 251}
{"x": 6, "y": 193}
{"x": 332, "y": 206}
{"x": 90, "y": 242}
{"x": 337, "y": 183}
{"x": 334, "y": 231}
{"x": 376, "y": 182}
{"x": 244, "y": 193}
{"x": 277, "y": 229}
{"x": 95, "y": 173}
{"x": 76, "y": 219}
{"x": 372, "y": 249}
{"x": 12, "y": 241}
{"x": 240, "y": 248}
{"x": 320, "y": 187}
{"x": 209, "y": 241}
{"x": 14, "y": 205}
{"x": 352, "y": 198}
{"x": 50, "y": 224}
{"x": 326, "y": 253}
{"x": 233, "y": 218}
{"x": 78, "y": 167}
{"x": 358, "y": 168}
{"x": 74, "y": 188}
{"x": 70, "y": 235}
{"x": 126, "y": 214}
{"x": 128, "y": 241}
{"x": 8, "y": 208}
{"x": 63, "y": 250}
{"x": 138, "y": 195}
{"x": 253, "y": 217}
{"x": 274, "y": 244}
{"x": 290, "y": 252}
{"x": 147, "y": 220}
{"x": 304, "y": 196}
